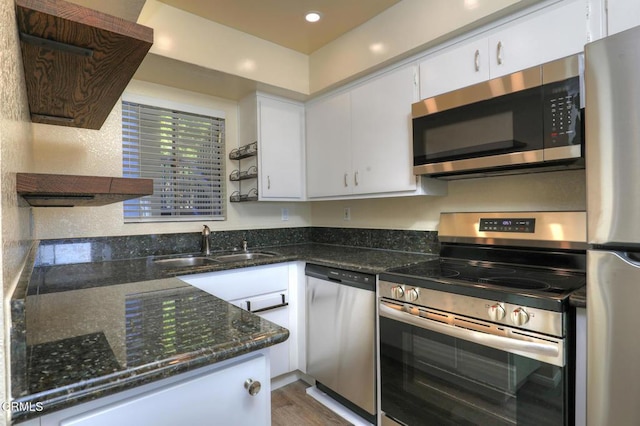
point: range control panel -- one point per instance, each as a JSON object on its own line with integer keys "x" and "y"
{"x": 508, "y": 225}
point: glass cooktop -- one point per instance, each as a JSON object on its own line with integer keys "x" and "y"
{"x": 514, "y": 277}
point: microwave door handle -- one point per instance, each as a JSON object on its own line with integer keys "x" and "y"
{"x": 549, "y": 352}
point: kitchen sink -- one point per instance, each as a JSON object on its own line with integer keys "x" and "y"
{"x": 178, "y": 262}
{"x": 235, "y": 257}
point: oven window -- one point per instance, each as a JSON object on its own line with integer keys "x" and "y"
{"x": 508, "y": 123}
{"x": 429, "y": 378}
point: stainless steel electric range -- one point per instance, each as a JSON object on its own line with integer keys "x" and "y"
{"x": 484, "y": 335}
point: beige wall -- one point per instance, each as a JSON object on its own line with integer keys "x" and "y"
{"x": 539, "y": 191}
{"x": 69, "y": 150}
{"x": 15, "y": 156}
{"x": 186, "y": 37}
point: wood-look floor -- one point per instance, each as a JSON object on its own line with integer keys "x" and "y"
{"x": 291, "y": 406}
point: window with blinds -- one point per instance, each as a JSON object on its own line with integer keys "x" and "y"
{"x": 183, "y": 153}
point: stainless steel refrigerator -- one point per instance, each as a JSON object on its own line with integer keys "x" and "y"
{"x": 612, "y": 75}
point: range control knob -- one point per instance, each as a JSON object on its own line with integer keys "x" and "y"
{"x": 519, "y": 316}
{"x": 497, "y": 312}
{"x": 412, "y": 294}
{"x": 397, "y": 292}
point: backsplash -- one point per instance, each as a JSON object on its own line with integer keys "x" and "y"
{"x": 96, "y": 249}
{"x": 388, "y": 239}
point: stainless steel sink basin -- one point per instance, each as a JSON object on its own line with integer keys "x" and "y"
{"x": 235, "y": 257}
{"x": 178, "y": 262}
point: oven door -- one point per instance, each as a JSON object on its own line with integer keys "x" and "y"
{"x": 443, "y": 369}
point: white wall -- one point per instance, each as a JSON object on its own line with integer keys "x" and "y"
{"x": 15, "y": 156}
{"x": 69, "y": 150}
{"x": 538, "y": 192}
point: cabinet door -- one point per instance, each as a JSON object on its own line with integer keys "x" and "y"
{"x": 381, "y": 135}
{"x": 219, "y": 397}
{"x": 281, "y": 138}
{"x": 622, "y": 15}
{"x": 459, "y": 66}
{"x": 328, "y": 129}
{"x": 551, "y": 33}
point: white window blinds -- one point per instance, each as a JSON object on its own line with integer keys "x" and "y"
{"x": 184, "y": 155}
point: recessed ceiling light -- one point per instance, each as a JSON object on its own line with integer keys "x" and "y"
{"x": 313, "y": 16}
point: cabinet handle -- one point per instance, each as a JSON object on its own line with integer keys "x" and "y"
{"x": 355, "y": 178}
{"x": 476, "y": 60}
{"x": 268, "y": 182}
{"x": 346, "y": 184}
{"x": 253, "y": 386}
{"x": 499, "y": 53}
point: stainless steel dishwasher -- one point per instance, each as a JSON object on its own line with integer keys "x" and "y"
{"x": 341, "y": 319}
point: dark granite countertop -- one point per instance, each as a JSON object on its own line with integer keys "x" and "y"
{"x": 62, "y": 277}
{"x": 95, "y": 328}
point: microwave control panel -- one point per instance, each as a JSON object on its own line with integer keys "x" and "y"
{"x": 562, "y": 113}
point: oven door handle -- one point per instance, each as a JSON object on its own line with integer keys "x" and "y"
{"x": 546, "y": 351}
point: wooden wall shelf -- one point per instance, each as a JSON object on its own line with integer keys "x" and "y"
{"x": 50, "y": 190}
{"x": 77, "y": 61}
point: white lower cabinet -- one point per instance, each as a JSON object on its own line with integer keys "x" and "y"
{"x": 220, "y": 394}
{"x": 265, "y": 291}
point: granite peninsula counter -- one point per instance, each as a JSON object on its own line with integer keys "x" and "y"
{"x": 81, "y": 331}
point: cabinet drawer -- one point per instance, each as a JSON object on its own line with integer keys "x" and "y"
{"x": 240, "y": 283}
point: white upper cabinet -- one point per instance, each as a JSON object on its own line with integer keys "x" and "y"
{"x": 359, "y": 141}
{"x": 622, "y": 15}
{"x": 328, "y": 140}
{"x": 381, "y": 135}
{"x": 550, "y": 33}
{"x": 278, "y": 126}
{"x": 544, "y": 35}
{"x": 461, "y": 65}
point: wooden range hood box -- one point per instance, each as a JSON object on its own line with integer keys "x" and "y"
{"x": 50, "y": 190}
{"x": 77, "y": 61}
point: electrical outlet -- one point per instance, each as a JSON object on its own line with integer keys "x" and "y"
{"x": 284, "y": 214}
{"x": 347, "y": 213}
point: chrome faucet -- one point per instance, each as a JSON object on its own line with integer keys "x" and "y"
{"x": 206, "y": 246}
{"x": 244, "y": 245}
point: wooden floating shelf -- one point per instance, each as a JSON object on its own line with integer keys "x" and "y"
{"x": 51, "y": 190}
{"x": 77, "y": 61}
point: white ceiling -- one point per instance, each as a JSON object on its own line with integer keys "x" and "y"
{"x": 279, "y": 21}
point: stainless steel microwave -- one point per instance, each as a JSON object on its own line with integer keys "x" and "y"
{"x": 531, "y": 120}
